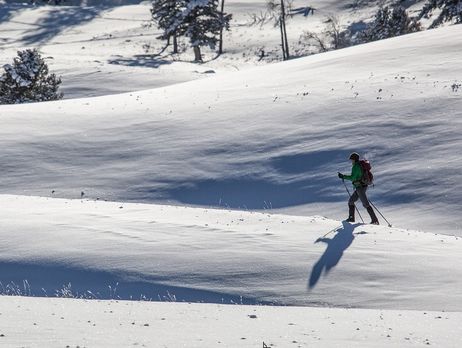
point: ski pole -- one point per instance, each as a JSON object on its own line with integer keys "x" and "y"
{"x": 332, "y": 230}
{"x": 389, "y": 224}
{"x": 357, "y": 210}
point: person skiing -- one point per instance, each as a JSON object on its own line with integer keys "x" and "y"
{"x": 360, "y": 187}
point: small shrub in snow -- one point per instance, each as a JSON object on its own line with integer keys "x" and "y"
{"x": 389, "y": 22}
{"x": 27, "y": 80}
{"x": 337, "y": 37}
{"x": 456, "y": 86}
{"x": 331, "y": 38}
{"x": 450, "y": 11}
{"x": 315, "y": 40}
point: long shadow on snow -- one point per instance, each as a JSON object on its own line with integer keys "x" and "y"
{"x": 140, "y": 60}
{"x": 251, "y": 193}
{"x": 335, "y": 248}
{"x": 59, "y": 19}
{"x": 257, "y": 176}
{"x": 306, "y": 178}
{"x": 7, "y": 11}
{"x": 51, "y": 280}
{"x": 284, "y": 180}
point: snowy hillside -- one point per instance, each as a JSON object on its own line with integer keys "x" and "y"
{"x": 112, "y": 43}
{"x": 217, "y": 183}
{"x": 98, "y": 250}
{"x": 221, "y": 256}
{"x": 271, "y": 137}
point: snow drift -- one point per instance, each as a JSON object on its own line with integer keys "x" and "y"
{"x": 222, "y": 256}
{"x": 271, "y": 137}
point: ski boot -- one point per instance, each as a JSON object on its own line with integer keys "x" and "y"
{"x": 351, "y": 214}
{"x": 374, "y": 220}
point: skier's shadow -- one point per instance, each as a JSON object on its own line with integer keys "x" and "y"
{"x": 335, "y": 247}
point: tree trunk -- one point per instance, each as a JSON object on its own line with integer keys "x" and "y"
{"x": 197, "y": 54}
{"x": 175, "y": 44}
{"x": 220, "y": 47}
{"x": 282, "y": 40}
{"x": 283, "y": 18}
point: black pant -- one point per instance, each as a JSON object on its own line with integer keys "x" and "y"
{"x": 360, "y": 193}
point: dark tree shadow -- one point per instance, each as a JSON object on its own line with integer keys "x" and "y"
{"x": 356, "y": 5}
{"x": 141, "y": 60}
{"x": 357, "y": 27}
{"x": 305, "y": 11}
{"x": 59, "y": 19}
{"x": 8, "y": 10}
{"x": 334, "y": 252}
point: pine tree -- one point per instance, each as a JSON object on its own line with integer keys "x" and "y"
{"x": 389, "y": 22}
{"x": 199, "y": 20}
{"x": 167, "y": 15}
{"x": 451, "y": 11}
{"x": 27, "y": 80}
{"x": 202, "y": 22}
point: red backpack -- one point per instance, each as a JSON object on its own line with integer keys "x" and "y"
{"x": 368, "y": 177}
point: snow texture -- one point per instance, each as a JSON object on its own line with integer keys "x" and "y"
{"x": 222, "y": 256}
{"x": 60, "y": 323}
{"x": 240, "y": 166}
{"x": 271, "y": 137}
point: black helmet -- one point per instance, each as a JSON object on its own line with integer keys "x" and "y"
{"x": 354, "y": 156}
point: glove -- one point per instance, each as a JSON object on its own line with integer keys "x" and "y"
{"x": 340, "y": 175}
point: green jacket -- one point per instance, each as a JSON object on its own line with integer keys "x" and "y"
{"x": 356, "y": 175}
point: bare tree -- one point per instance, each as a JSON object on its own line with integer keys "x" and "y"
{"x": 261, "y": 18}
{"x": 222, "y": 15}
{"x": 333, "y": 31}
{"x": 278, "y": 10}
{"x": 283, "y": 24}
{"x": 318, "y": 40}
{"x": 331, "y": 38}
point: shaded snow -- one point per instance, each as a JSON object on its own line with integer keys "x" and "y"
{"x": 268, "y": 139}
{"x": 271, "y": 137}
{"x": 223, "y": 256}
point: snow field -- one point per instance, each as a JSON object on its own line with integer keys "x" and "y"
{"x": 266, "y": 141}
{"x": 61, "y": 323}
{"x": 271, "y": 137}
{"x": 193, "y": 254}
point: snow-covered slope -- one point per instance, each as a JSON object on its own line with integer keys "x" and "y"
{"x": 110, "y": 46}
{"x": 77, "y": 323}
{"x": 271, "y": 137}
{"x": 196, "y": 254}
{"x": 98, "y": 50}
{"x": 268, "y": 141}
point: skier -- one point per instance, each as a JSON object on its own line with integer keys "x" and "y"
{"x": 360, "y": 187}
